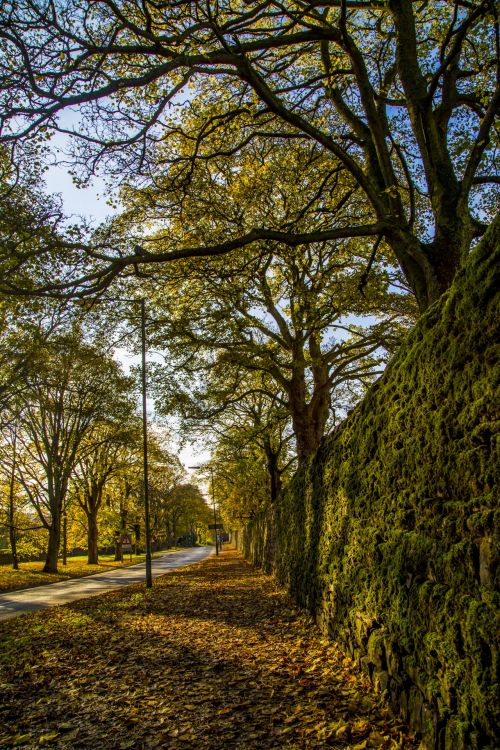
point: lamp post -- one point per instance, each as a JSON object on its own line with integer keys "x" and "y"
{"x": 213, "y": 503}
{"x": 149, "y": 576}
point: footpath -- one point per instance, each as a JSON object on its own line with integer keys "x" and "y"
{"x": 213, "y": 656}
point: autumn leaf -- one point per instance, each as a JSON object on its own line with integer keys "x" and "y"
{"x": 47, "y": 739}
{"x": 205, "y": 659}
{"x": 21, "y": 739}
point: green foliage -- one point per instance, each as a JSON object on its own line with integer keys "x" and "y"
{"x": 390, "y": 534}
{"x": 289, "y": 324}
{"x": 31, "y": 544}
{"x": 398, "y": 98}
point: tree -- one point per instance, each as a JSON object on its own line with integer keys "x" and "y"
{"x": 33, "y": 229}
{"x": 8, "y": 467}
{"x": 256, "y": 430}
{"x": 178, "y": 507}
{"x": 165, "y": 475}
{"x": 284, "y": 314}
{"x": 395, "y": 93}
{"x": 24, "y": 329}
{"x": 69, "y": 386}
{"x": 253, "y": 438}
{"x": 103, "y": 456}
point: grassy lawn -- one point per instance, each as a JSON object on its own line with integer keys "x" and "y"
{"x": 30, "y": 573}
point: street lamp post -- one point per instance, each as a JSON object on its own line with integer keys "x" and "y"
{"x": 213, "y": 503}
{"x": 149, "y": 576}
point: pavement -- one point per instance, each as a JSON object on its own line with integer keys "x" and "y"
{"x": 17, "y": 603}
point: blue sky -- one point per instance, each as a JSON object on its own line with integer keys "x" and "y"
{"x": 90, "y": 204}
{"x": 77, "y": 201}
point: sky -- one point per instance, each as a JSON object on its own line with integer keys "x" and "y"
{"x": 89, "y": 203}
{"x": 78, "y": 201}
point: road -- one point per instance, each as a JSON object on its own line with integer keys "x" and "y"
{"x": 17, "y": 603}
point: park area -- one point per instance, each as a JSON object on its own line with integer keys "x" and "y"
{"x": 214, "y": 655}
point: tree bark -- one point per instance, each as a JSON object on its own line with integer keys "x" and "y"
{"x": 430, "y": 268}
{"x": 92, "y": 540}
{"x": 93, "y": 501}
{"x": 12, "y": 527}
{"x": 12, "y": 532}
{"x": 53, "y": 546}
{"x": 273, "y": 469}
{"x": 123, "y": 527}
{"x": 57, "y": 491}
{"x": 308, "y": 419}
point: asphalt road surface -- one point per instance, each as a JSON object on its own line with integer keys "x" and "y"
{"x": 28, "y": 600}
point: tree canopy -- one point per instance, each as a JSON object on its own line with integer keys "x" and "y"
{"x": 401, "y": 98}
{"x": 292, "y": 175}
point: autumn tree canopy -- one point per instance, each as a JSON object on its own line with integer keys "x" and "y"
{"x": 401, "y": 97}
{"x": 68, "y": 388}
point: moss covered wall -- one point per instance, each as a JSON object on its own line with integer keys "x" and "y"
{"x": 390, "y": 535}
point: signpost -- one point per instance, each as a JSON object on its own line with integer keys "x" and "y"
{"x": 126, "y": 544}
{"x": 215, "y": 526}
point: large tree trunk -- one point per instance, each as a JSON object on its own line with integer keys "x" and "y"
{"x": 308, "y": 419}
{"x": 58, "y": 486}
{"x": 93, "y": 501}
{"x": 92, "y": 539}
{"x": 12, "y": 527}
{"x": 431, "y": 268}
{"x": 123, "y": 527}
{"x": 53, "y": 546}
{"x": 307, "y": 435}
{"x": 273, "y": 469}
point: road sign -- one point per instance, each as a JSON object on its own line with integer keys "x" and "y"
{"x": 126, "y": 543}
{"x": 215, "y": 526}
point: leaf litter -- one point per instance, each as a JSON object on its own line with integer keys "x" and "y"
{"x": 214, "y": 654}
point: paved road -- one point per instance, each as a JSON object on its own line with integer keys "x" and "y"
{"x": 18, "y": 602}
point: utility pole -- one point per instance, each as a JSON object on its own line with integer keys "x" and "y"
{"x": 215, "y": 514}
{"x": 213, "y": 503}
{"x": 149, "y": 577}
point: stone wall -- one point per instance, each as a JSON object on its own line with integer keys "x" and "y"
{"x": 390, "y": 534}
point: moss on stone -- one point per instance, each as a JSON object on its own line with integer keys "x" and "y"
{"x": 390, "y": 534}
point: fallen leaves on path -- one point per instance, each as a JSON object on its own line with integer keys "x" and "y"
{"x": 213, "y": 656}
